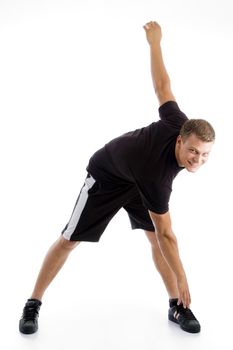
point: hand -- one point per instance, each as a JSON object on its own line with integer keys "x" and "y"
{"x": 184, "y": 294}
{"x": 153, "y": 32}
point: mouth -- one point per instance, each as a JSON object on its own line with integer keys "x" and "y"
{"x": 192, "y": 166}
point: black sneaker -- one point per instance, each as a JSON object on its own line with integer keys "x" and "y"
{"x": 185, "y": 318}
{"x": 28, "y": 323}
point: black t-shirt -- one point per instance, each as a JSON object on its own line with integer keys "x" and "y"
{"x": 145, "y": 158}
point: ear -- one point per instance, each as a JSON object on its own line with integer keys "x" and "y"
{"x": 179, "y": 139}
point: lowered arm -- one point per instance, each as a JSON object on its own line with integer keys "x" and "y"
{"x": 169, "y": 248}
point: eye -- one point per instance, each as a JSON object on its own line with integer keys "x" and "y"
{"x": 193, "y": 150}
{"x": 205, "y": 155}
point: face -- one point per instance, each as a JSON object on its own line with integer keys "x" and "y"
{"x": 192, "y": 153}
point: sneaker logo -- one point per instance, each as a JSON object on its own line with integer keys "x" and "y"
{"x": 176, "y": 315}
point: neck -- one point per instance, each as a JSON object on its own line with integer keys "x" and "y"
{"x": 177, "y": 156}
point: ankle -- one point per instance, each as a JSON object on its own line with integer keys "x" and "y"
{"x": 173, "y": 302}
{"x": 36, "y": 297}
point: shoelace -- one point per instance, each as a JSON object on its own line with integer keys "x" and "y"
{"x": 186, "y": 313}
{"x": 30, "y": 312}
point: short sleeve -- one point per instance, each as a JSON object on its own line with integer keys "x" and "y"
{"x": 171, "y": 115}
{"x": 155, "y": 197}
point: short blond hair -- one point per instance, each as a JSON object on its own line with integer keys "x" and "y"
{"x": 199, "y": 127}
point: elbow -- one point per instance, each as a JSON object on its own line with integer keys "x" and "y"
{"x": 164, "y": 82}
{"x": 162, "y": 88}
{"x": 163, "y": 92}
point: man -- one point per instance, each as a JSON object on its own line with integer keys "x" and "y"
{"x": 135, "y": 171}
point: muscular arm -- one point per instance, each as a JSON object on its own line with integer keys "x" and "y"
{"x": 160, "y": 77}
{"x": 168, "y": 245}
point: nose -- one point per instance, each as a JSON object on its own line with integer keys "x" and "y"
{"x": 198, "y": 159}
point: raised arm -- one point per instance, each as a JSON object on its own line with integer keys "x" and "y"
{"x": 160, "y": 77}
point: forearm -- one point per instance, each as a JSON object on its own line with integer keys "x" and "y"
{"x": 159, "y": 73}
{"x": 160, "y": 77}
{"x": 169, "y": 249}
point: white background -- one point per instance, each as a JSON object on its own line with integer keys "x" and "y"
{"x": 73, "y": 75}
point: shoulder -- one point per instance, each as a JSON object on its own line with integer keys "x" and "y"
{"x": 171, "y": 114}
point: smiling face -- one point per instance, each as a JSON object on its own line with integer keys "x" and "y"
{"x": 191, "y": 152}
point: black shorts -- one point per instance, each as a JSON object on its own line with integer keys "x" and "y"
{"x": 96, "y": 205}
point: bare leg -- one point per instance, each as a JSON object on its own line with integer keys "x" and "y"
{"x": 53, "y": 262}
{"x": 162, "y": 266}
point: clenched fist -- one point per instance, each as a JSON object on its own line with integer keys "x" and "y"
{"x": 153, "y": 32}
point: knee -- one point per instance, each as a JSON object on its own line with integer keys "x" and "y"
{"x": 66, "y": 244}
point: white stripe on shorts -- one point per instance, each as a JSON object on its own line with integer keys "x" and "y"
{"x": 80, "y": 205}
